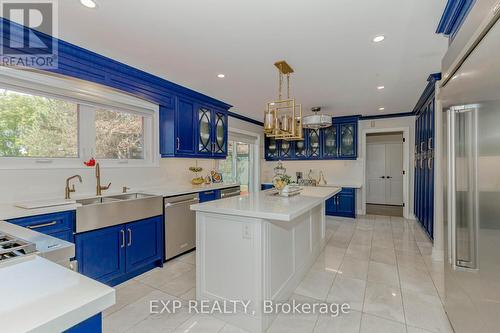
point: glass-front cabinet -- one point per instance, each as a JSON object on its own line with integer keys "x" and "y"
{"x": 212, "y": 132}
{"x": 286, "y": 149}
{"x": 300, "y": 149}
{"x": 330, "y": 142}
{"x": 272, "y": 152}
{"x": 337, "y": 142}
{"x": 313, "y": 144}
{"x": 220, "y": 133}
{"x": 204, "y": 131}
{"x": 347, "y": 140}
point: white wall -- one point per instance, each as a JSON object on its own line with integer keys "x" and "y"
{"x": 389, "y": 124}
{"x": 29, "y": 184}
{"x": 336, "y": 172}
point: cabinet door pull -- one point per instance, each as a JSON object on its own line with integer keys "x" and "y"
{"x": 36, "y": 226}
{"x": 123, "y": 238}
{"x": 210, "y": 192}
{"x": 129, "y": 237}
{"x": 178, "y": 143}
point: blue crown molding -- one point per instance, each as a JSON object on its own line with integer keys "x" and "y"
{"x": 244, "y": 118}
{"x": 77, "y": 62}
{"x": 428, "y": 91}
{"x": 453, "y": 16}
{"x": 388, "y": 115}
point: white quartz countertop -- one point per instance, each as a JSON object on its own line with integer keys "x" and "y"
{"x": 169, "y": 191}
{"x": 10, "y": 211}
{"x": 41, "y": 296}
{"x": 264, "y": 205}
{"x": 350, "y": 185}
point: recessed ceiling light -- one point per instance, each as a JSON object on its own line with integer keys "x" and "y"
{"x": 88, "y": 3}
{"x": 380, "y": 87}
{"x": 378, "y": 39}
{"x": 221, "y": 76}
{"x": 381, "y": 109}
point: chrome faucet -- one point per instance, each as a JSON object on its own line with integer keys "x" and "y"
{"x": 99, "y": 187}
{"x": 68, "y": 190}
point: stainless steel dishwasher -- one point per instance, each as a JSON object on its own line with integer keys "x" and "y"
{"x": 230, "y": 192}
{"x": 180, "y": 224}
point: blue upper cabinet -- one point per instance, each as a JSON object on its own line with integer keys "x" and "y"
{"x": 178, "y": 105}
{"x": 329, "y": 142}
{"x": 272, "y": 149}
{"x": 348, "y": 139}
{"x": 287, "y": 150}
{"x": 185, "y": 122}
{"x": 219, "y": 133}
{"x": 313, "y": 144}
{"x": 193, "y": 129}
{"x": 453, "y": 16}
{"x": 337, "y": 142}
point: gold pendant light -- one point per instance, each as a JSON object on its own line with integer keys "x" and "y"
{"x": 283, "y": 117}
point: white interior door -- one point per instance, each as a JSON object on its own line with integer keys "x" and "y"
{"x": 394, "y": 173}
{"x": 375, "y": 173}
{"x": 384, "y": 173}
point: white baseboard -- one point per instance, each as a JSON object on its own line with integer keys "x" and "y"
{"x": 437, "y": 255}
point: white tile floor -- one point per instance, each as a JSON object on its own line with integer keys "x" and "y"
{"x": 380, "y": 265}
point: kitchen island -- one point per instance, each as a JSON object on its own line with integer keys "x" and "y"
{"x": 257, "y": 248}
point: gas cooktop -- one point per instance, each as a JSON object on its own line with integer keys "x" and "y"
{"x": 12, "y": 247}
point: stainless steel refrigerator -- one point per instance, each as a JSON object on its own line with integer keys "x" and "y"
{"x": 471, "y": 102}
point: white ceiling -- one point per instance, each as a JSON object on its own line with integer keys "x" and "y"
{"x": 327, "y": 42}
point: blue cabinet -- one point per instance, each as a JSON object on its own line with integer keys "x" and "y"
{"x": 313, "y": 144}
{"x": 92, "y": 324}
{"x": 115, "y": 254}
{"x": 348, "y": 136}
{"x": 271, "y": 149}
{"x": 424, "y": 157}
{"x": 193, "y": 129}
{"x": 185, "y": 124}
{"x": 337, "y": 142}
{"x": 144, "y": 243}
{"x": 209, "y": 195}
{"x": 60, "y": 225}
{"x": 342, "y": 204}
{"x": 101, "y": 253}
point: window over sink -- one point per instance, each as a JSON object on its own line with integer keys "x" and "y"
{"x": 48, "y": 121}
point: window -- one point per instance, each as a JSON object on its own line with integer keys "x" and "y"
{"x": 48, "y": 121}
{"x": 119, "y": 135}
{"x": 237, "y": 165}
{"x": 37, "y": 126}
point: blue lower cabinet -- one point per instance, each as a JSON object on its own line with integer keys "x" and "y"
{"x": 115, "y": 254}
{"x": 60, "y": 225}
{"x": 331, "y": 206}
{"x": 144, "y": 243}
{"x": 101, "y": 253}
{"x": 264, "y": 187}
{"x": 209, "y": 195}
{"x": 342, "y": 204}
{"x": 93, "y": 324}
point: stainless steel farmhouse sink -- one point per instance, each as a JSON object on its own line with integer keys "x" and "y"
{"x": 99, "y": 212}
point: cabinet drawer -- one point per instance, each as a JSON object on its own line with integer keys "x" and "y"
{"x": 48, "y": 223}
{"x": 209, "y": 195}
{"x": 347, "y": 191}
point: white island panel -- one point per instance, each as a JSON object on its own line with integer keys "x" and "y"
{"x": 258, "y": 247}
